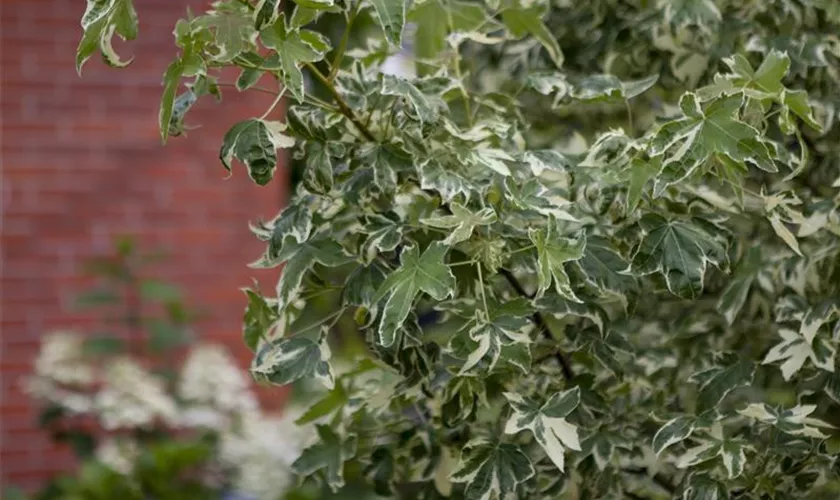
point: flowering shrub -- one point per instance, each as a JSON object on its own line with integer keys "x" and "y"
{"x": 148, "y": 434}
{"x": 213, "y": 417}
{"x": 592, "y": 247}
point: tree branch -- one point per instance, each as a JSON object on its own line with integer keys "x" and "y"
{"x": 342, "y": 105}
{"x": 539, "y": 320}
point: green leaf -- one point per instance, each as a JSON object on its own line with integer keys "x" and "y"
{"x": 391, "y": 16}
{"x": 498, "y": 337}
{"x": 521, "y": 21}
{"x": 704, "y": 133}
{"x": 328, "y": 404}
{"x": 293, "y": 47}
{"x": 171, "y": 79}
{"x": 680, "y": 250}
{"x": 232, "y": 27}
{"x": 384, "y": 235}
{"x": 553, "y": 251}
{"x": 734, "y": 458}
{"x": 764, "y": 83}
{"x": 319, "y": 167}
{"x": 418, "y": 273}
{"x": 260, "y": 317}
{"x": 266, "y": 13}
{"x": 603, "y": 267}
{"x": 640, "y": 173}
{"x": 299, "y": 259}
{"x": 100, "y": 22}
{"x": 702, "y": 487}
{"x": 674, "y": 431}
{"x": 448, "y": 184}
{"x": 547, "y": 422}
{"x": 400, "y": 87}
{"x": 795, "y": 421}
{"x": 292, "y": 226}
{"x": 285, "y": 360}
{"x": 602, "y": 87}
{"x": 735, "y": 294}
{"x": 434, "y": 20}
{"x": 795, "y": 349}
{"x": 462, "y": 222}
{"x": 327, "y": 455}
{"x": 491, "y": 469}
{"x": 716, "y": 382}
{"x": 387, "y": 163}
{"x": 254, "y": 142}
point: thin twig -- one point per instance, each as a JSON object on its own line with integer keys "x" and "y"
{"x": 539, "y": 320}
{"x": 274, "y": 103}
{"x": 342, "y": 105}
{"x": 342, "y": 45}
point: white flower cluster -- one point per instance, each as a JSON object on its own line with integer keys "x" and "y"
{"x": 262, "y": 450}
{"x": 133, "y": 397}
{"x": 213, "y": 393}
{"x": 213, "y": 388}
{"x": 62, "y": 374}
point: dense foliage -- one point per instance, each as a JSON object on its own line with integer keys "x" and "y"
{"x": 592, "y": 246}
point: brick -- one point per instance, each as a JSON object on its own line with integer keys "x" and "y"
{"x": 82, "y": 163}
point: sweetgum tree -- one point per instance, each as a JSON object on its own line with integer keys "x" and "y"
{"x": 593, "y": 247}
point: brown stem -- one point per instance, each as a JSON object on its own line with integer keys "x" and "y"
{"x": 539, "y": 320}
{"x": 342, "y": 105}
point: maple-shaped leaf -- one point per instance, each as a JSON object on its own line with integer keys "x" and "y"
{"x": 260, "y": 316}
{"x": 284, "y": 360}
{"x": 501, "y": 336}
{"x": 672, "y": 432}
{"x": 255, "y": 142}
{"x": 728, "y": 373}
{"x": 293, "y": 47}
{"x": 232, "y": 28}
{"x": 794, "y": 421}
{"x": 491, "y": 469}
{"x": 423, "y": 107}
{"x": 292, "y": 226}
{"x": 731, "y": 452}
{"x": 796, "y": 348}
{"x": 418, "y": 273}
{"x": 553, "y": 251}
{"x": 713, "y": 131}
{"x": 763, "y": 84}
{"x": 100, "y": 22}
{"x": 384, "y": 234}
{"x": 299, "y": 259}
{"x": 534, "y": 195}
{"x": 521, "y": 20}
{"x": 679, "y": 249}
{"x": 327, "y": 455}
{"x": 447, "y": 183}
{"x": 462, "y": 222}
{"x": 603, "y": 267}
{"x": 547, "y": 422}
{"x": 391, "y": 16}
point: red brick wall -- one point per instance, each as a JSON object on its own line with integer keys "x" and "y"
{"x": 82, "y": 162}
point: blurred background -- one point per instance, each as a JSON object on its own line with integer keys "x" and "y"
{"x": 82, "y": 166}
